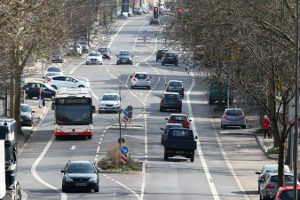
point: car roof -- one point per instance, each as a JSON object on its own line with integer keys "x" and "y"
{"x": 177, "y": 114}
{"x": 233, "y": 109}
{"x": 110, "y": 94}
{"x": 276, "y": 174}
{"x": 94, "y": 52}
{"x": 24, "y": 104}
{"x": 174, "y": 81}
{"x": 80, "y": 161}
{"x": 173, "y": 124}
{"x": 40, "y": 82}
{"x": 140, "y": 72}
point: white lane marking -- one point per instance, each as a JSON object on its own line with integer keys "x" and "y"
{"x": 73, "y": 148}
{"x": 48, "y": 123}
{"x": 229, "y": 166}
{"x": 63, "y": 196}
{"x": 202, "y": 160}
{"x": 76, "y": 66}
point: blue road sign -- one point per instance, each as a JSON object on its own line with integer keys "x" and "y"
{"x": 126, "y": 112}
{"x": 124, "y": 150}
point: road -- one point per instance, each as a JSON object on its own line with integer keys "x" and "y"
{"x": 225, "y": 162}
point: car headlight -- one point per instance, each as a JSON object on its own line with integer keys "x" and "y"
{"x": 93, "y": 180}
{"x": 130, "y": 58}
{"x": 68, "y": 179}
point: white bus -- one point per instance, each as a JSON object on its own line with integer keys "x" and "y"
{"x": 73, "y": 112}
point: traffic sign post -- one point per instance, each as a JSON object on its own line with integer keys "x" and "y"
{"x": 124, "y": 155}
{"x": 124, "y": 150}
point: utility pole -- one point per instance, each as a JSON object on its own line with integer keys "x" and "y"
{"x": 120, "y": 125}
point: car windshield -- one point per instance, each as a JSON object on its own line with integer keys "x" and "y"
{"x": 102, "y": 50}
{"x": 289, "y": 195}
{"x": 75, "y": 168}
{"x": 68, "y": 115}
{"x": 178, "y": 118}
{"x": 173, "y": 126}
{"x": 274, "y": 169}
{"x": 49, "y": 86}
{"x": 175, "y": 84}
{"x": 180, "y": 133}
{"x": 170, "y": 54}
{"x": 171, "y": 96}
{"x": 287, "y": 178}
{"x": 94, "y": 54}
{"x": 25, "y": 108}
{"x": 110, "y": 97}
{"x": 141, "y": 76}
{"x": 234, "y": 112}
{"x": 53, "y": 69}
{"x": 124, "y": 53}
{"x": 83, "y": 42}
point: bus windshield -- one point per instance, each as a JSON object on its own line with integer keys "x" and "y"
{"x": 73, "y": 114}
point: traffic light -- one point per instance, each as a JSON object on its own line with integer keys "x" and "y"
{"x": 155, "y": 12}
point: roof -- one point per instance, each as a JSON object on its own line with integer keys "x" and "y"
{"x": 141, "y": 72}
{"x": 73, "y": 92}
{"x": 166, "y": 92}
{"x": 177, "y": 114}
{"x": 168, "y": 124}
{"x": 80, "y": 161}
{"x": 110, "y": 94}
{"x": 175, "y": 81}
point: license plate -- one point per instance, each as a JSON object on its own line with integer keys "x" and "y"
{"x": 179, "y": 152}
{"x": 80, "y": 184}
{"x": 73, "y": 133}
{"x": 124, "y": 61}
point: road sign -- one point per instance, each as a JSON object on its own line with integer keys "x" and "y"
{"x": 124, "y": 159}
{"x": 125, "y": 119}
{"x": 124, "y": 150}
{"x": 126, "y": 111}
{"x": 121, "y": 140}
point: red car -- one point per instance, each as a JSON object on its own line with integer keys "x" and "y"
{"x": 286, "y": 193}
{"x": 180, "y": 118}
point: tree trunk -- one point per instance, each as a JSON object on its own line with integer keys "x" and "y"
{"x": 17, "y": 99}
{"x": 11, "y": 97}
{"x": 281, "y": 159}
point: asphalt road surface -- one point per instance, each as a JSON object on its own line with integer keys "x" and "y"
{"x": 224, "y": 163}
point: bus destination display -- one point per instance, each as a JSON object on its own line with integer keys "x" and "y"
{"x": 69, "y": 101}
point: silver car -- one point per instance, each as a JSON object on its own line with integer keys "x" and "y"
{"x": 269, "y": 188}
{"x": 109, "y": 102}
{"x": 271, "y": 168}
{"x": 140, "y": 79}
{"x": 94, "y": 58}
{"x": 233, "y": 117}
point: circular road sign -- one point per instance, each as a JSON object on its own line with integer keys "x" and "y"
{"x": 126, "y": 112}
{"x": 124, "y": 150}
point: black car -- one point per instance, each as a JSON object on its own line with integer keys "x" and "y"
{"x": 56, "y": 57}
{"x": 160, "y": 53}
{"x": 124, "y": 57}
{"x": 105, "y": 52}
{"x": 175, "y": 86}
{"x": 80, "y": 175}
{"x": 26, "y": 115}
{"x": 170, "y": 58}
{"x": 154, "y": 21}
{"x": 170, "y": 100}
{"x": 32, "y": 89}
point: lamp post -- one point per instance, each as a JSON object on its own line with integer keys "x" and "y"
{"x": 296, "y": 105}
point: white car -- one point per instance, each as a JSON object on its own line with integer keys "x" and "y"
{"x": 140, "y": 79}
{"x": 53, "y": 71}
{"x": 94, "y": 58}
{"x": 58, "y": 82}
{"x": 109, "y": 102}
{"x": 79, "y": 48}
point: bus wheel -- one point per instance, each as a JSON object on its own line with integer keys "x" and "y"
{"x": 89, "y": 137}
{"x": 57, "y": 137}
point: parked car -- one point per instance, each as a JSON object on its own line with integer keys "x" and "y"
{"x": 146, "y": 9}
{"x": 56, "y": 57}
{"x": 269, "y": 188}
{"x": 160, "y": 53}
{"x": 33, "y": 88}
{"x": 170, "y": 100}
{"x": 53, "y": 71}
{"x": 80, "y": 174}
{"x": 166, "y": 129}
{"x": 175, "y": 86}
{"x": 138, "y": 11}
{"x": 233, "y": 117}
{"x": 140, "y": 79}
{"x": 78, "y": 48}
{"x": 109, "y": 102}
{"x": 94, "y": 58}
{"x": 180, "y": 142}
{"x": 105, "y": 52}
{"x": 287, "y": 193}
{"x": 124, "y": 57}
{"x": 170, "y": 58}
{"x": 270, "y": 168}
{"x": 154, "y": 21}
{"x": 84, "y": 45}
{"x": 58, "y": 82}
{"x": 179, "y": 118}
{"x": 26, "y": 115}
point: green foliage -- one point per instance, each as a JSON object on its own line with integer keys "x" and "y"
{"x": 273, "y": 150}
